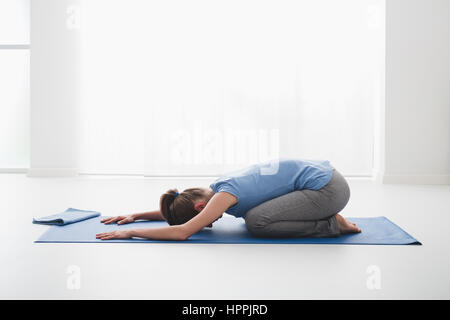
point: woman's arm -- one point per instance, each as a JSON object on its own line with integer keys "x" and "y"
{"x": 149, "y": 215}
{"x": 215, "y": 207}
{"x": 164, "y": 233}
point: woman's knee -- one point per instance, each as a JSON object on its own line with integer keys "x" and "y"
{"x": 255, "y": 222}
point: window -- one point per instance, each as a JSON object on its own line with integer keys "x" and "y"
{"x": 14, "y": 84}
{"x": 204, "y": 86}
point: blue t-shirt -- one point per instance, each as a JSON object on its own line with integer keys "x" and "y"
{"x": 264, "y": 181}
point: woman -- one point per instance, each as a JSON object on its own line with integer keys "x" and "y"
{"x": 282, "y": 198}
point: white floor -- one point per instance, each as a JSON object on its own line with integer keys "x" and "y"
{"x": 202, "y": 271}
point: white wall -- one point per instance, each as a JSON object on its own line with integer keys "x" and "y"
{"x": 417, "y": 109}
{"x": 55, "y": 88}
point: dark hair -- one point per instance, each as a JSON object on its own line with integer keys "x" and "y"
{"x": 179, "y": 208}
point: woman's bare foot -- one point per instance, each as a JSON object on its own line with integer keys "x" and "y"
{"x": 346, "y": 226}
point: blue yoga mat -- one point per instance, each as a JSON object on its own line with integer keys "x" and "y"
{"x": 228, "y": 229}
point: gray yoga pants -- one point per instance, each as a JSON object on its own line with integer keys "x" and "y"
{"x": 304, "y": 213}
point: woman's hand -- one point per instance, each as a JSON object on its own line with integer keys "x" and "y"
{"x": 119, "y": 219}
{"x": 118, "y": 234}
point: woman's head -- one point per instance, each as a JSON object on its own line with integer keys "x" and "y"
{"x": 180, "y": 207}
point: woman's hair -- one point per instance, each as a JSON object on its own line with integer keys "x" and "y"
{"x": 178, "y": 208}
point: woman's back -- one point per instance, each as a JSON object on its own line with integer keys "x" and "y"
{"x": 261, "y": 182}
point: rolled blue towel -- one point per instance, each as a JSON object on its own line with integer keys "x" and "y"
{"x": 71, "y": 215}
